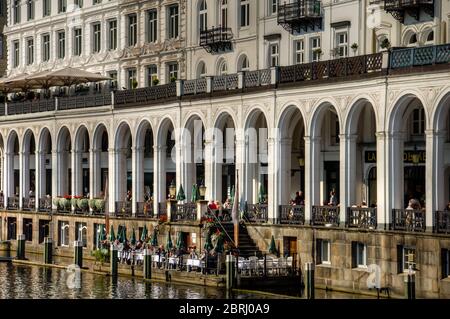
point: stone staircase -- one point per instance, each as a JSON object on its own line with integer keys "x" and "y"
{"x": 247, "y": 247}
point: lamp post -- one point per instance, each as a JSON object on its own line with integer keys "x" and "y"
{"x": 202, "y": 190}
{"x": 172, "y": 190}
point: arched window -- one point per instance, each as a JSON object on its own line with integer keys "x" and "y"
{"x": 224, "y": 13}
{"x": 411, "y": 40}
{"x": 244, "y": 65}
{"x": 203, "y": 16}
{"x": 429, "y": 38}
{"x": 223, "y": 68}
{"x": 201, "y": 70}
{"x": 382, "y": 43}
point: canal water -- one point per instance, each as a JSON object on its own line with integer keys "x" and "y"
{"x": 24, "y": 281}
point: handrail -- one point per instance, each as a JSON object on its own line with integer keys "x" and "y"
{"x": 211, "y": 214}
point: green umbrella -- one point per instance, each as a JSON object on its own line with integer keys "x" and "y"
{"x": 208, "y": 243}
{"x": 180, "y": 243}
{"x": 195, "y": 193}
{"x": 181, "y": 196}
{"x": 219, "y": 244}
{"x": 232, "y": 194}
{"x": 272, "y": 247}
{"x": 102, "y": 235}
{"x": 124, "y": 234}
{"x": 169, "y": 244}
{"x": 155, "y": 238}
{"x": 112, "y": 236}
{"x": 144, "y": 233}
{"x": 261, "y": 194}
{"x": 119, "y": 234}
{"x": 133, "y": 237}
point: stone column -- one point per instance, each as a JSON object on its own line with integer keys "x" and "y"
{"x": 95, "y": 172}
{"x": 312, "y": 175}
{"x": 188, "y": 169}
{"x": 9, "y": 176}
{"x": 24, "y": 179}
{"x": 137, "y": 175}
{"x": 41, "y": 177}
{"x": 213, "y": 168}
{"x": 347, "y": 163}
{"x": 434, "y": 173}
{"x": 395, "y": 175}
{"x": 56, "y": 175}
{"x": 273, "y": 187}
{"x": 159, "y": 176}
{"x": 383, "y": 204}
{"x": 284, "y": 170}
{"x": 77, "y": 173}
{"x": 240, "y": 164}
{"x": 112, "y": 186}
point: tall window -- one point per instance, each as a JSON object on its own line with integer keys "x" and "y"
{"x": 245, "y": 65}
{"x": 223, "y": 68}
{"x": 359, "y": 255}
{"x": 323, "y": 251}
{"x": 98, "y": 229}
{"x": 445, "y": 263}
{"x": 224, "y": 13}
{"x": 62, "y": 5}
{"x": 113, "y": 81}
{"x": 299, "y": 47}
{"x": 78, "y": 3}
{"x": 342, "y": 44}
{"x": 78, "y": 41}
{"x": 63, "y": 233}
{"x": 132, "y": 81}
{"x": 132, "y": 29}
{"x": 16, "y": 11}
{"x": 46, "y": 47}
{"x": 97, "y": 35}
{"x": 316, "y": 51}
{"x": 30, "y": 51}
{"x": 152, "y": 25}
{"x": 173, "y": 22}
{"x": 203, "y": 16}
{"x": 201, "y": 70}
{"x": 245, "y": 13}
{"x": 30, "y": 10}
{"x": 46, "y": 7}
{"x": 152, "y": 75}
{"x": 16, "y": 57}
{"x": 418, "y": 121}
{"x": 2, "y": 39}
{"x": 409, "y": 258}
{"x": 61, "y": 45}
{"x": 273, "y": 6}
{"x": 112, "y": 34}
{"x": 81, "y": 233}
{"x": 274, "y": 54}
{"x": 173, "y": 71}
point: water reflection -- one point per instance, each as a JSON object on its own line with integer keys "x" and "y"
{"x": 20, "y": 281}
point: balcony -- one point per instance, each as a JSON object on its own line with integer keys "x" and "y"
{"x": 358, "y": 217}
{"x": 144, "y": 209}
{"x": 300, "y": 15}
{"x": 123, "y": 209}
{"x": 292, "y": 214}
{"x": 408, "y": 220}
{"x": 327, "y": 216}
{"x": 184, "y": 212}
{"x": 216, "y": 39}
{"x": 256, "y": 213}
{"x": 442, "y": 222}
{"x": 417, "y": 57}
{"x": 398, "y": 8}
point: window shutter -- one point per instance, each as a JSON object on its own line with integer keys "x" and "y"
{"x": 354, "y": 254}
{"x": 318, "y": 251}
{"x": 399, "y": 259}
{"x": 444, "y": 262}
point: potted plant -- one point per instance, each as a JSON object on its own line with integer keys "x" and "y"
{"x": 318, "y": 52}
{"x": 101, "y": 256}
{"x": 173, "y": 79}
{"x": 134, "y": 84}
{"x": 354, "y": 47}
{"x": 385, "y": 44}
{"x": 83, "y": 204}
{"x": 92, "y": 204}
{"x": 155, "y": 81}
{"x": 56, "y": 202}
{"x": 100, "y": 204}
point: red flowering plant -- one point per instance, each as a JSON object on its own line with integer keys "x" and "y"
{"x": 162, "y": 219}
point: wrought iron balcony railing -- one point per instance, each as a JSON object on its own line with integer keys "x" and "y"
{"x": 184, "y": 212}
{"x": 398, "y": 8}
{"x": 13, "y": 203}
{"x": 216, "y": 39}
{"x": 292, "y": 214}
{"x": 123, "y": 209}
{"x": 146, "y": 95}
{"x": 144, "y": 209}
{"x": 300, "y": 15}
{"x": 442, "y": 222}
{"x": 357, "y": 65}
{"x": 358, "y": 217}
{"x": 428, "y": 55}
{"x": 29, "y": 204}
{"x": 408, "y": 220}
{"x": 325, "y": 216}
{"x": 256, "y": 213}
{"x": 45, "y": 204}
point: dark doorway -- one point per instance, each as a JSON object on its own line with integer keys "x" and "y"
{"x": 290, "y": 246}
{"x": 414, "y": 183}
{"x": 44, "y": 229}
{"x": 12, "y": 228}
{"x": 228, "y": 180}
{"x": 85, "y": 181}
{"x": 104, "y": 179}
{"x": 48, "y": 182}
{"x": 332, "y": 178}
{"x": 372, "y": 183}
{"x": 28, "y": 229}
{"x": 16, "y": 182}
